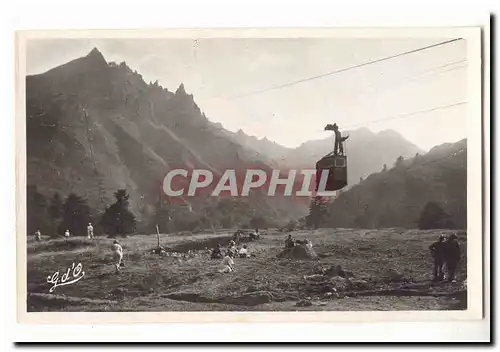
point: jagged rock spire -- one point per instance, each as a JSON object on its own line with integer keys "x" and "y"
{"x": 180, "y": 90}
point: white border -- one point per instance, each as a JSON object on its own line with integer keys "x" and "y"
{"x": 255, "y": 13}
{"x": 474, "y": 220}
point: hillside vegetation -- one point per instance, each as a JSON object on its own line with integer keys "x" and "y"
{"x": 395, "y": 197}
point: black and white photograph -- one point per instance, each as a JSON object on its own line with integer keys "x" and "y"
{"x": 209, "y": 172}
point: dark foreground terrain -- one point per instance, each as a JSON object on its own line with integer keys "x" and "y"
{"x": 386, "y": 269}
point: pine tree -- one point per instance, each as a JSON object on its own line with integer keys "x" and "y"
{"x": 36, "y": 211}
{"x": 434, "y": 217}
{"x": 399, "y": 161}
{"x": 163, "y": 218}
{"x": 318, "y": 210}
{"x": 416, "y": 158}
{"x": 257, "y": 222}
{"x": 75, "y": 215}
{"x": 117, "y": 219}
{"x": 291, "y": 226}
{"x": 55, "y": 210}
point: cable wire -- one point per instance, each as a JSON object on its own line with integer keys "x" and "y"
{"x": 345, "y": 69}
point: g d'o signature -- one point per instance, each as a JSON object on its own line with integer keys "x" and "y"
{"x": 76, "y": 272}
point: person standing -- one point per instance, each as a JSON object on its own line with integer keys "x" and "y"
{"x": 339, "y": 148}
{"x": 117, "y": 255}
{"x": 438, "y": 253}
{"x": 90, "y": 231}
{"x": 452, "y": 256}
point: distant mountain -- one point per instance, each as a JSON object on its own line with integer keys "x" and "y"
{"x": 94, "y": 127}
{"x": 396, "y": 197}
{"x": 367, "y": 151}
{"x": 272, "y": 151}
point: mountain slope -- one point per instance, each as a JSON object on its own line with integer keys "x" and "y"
{"x": 93, "y": 127}
{"x": 395, "y": 197}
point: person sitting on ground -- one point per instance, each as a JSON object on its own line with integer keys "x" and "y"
{"x": 159, "y": 250}
{"x": 117, "y": 255}
{"x": 309, "y": 244}
{"x": 227, "y": 263}
{"x": 438, "y": 253}
{"x": 243, "y": 252}
{"x": 38, "y": 235}
{"x": 254, "y": 235}
{"x": 289, "y": 242}
{"x": 216, "y": 253}
{"x": 452, "y": 256}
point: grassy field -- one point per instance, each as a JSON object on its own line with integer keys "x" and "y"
{"x": 391, "y": 270}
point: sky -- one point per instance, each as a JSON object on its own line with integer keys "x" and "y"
{"x": 421, "y": 95}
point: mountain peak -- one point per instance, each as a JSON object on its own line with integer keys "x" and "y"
{"x": 96, "y": 55}
{"x": 180, "y": 90}
{"x": 390, "y": 132}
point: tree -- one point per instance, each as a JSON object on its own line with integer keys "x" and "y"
{"x": 302, "y": 223}
{"x": 434, "y": 217}
{"x": 227, "y": 222}
{"x": 291, "y": 226}
{"x": 399, "y": 161}
{"x": 318, "y": 210}
{"x": 55, "y": 210}
{"x": 384, "y": 168}
{"x": 258, "y": 222}
{"x": 36, "y": 210}
{"x": 75, "y": 215}
{"x": 416, "y": 159}
{"x": 163, "y": 219}
{"x": 117, "y": 219}
{"x": 363, "y": 220}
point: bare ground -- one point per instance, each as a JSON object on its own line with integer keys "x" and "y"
{"x": 391, "y": 270}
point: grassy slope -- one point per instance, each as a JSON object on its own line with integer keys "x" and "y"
{"x": 162, "y": 283}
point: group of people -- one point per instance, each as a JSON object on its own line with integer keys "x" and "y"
{"x": 255, "y": 235}
{"x": 446, "y": 255}
{"x": 232, "y": 251}
{"x": 228, "y": 256}
{"x": 67, "y": 233}
{"x": 290, "y": 242}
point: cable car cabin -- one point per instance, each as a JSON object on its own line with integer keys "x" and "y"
{"x": 337, "y": 172}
